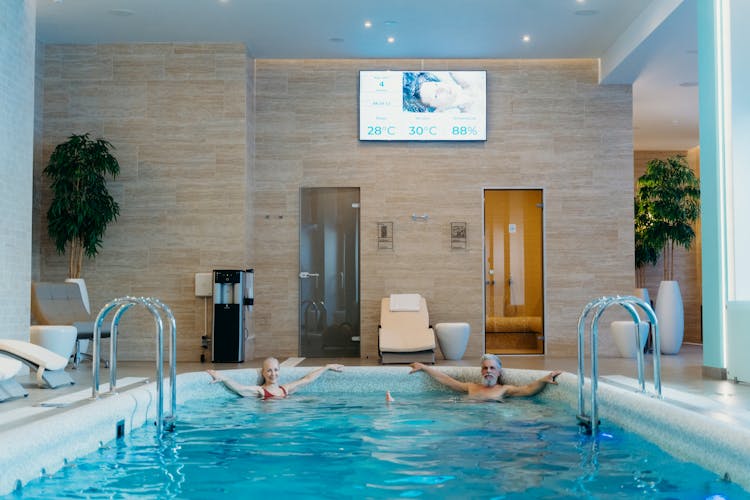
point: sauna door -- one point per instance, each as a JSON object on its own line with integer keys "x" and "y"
{"x": 329, "y": 272}
{"x": 513, "y": 271}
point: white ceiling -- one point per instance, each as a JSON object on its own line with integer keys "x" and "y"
{"x": 651, "y": 44}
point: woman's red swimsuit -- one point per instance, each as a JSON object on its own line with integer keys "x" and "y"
{"x": 267, "y": 395}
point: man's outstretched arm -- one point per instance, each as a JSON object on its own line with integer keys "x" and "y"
{"x": 534, "y": 387}
{"x": 440, "y": 377}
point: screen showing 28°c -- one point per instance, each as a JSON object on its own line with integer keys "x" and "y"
{"x": 422, "y": 105}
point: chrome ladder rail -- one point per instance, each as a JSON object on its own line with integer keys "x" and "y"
{"x": 598, "y": 306}
{"x": 154, "y": 306}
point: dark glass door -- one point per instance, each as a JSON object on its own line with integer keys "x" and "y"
{"x": 329, "y": 272}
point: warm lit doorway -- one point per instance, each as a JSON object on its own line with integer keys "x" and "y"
{"x": 513, "y": 271}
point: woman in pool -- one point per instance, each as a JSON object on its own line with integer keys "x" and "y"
{"x": 270, "y": 387}
{"x": 492, "y": 387}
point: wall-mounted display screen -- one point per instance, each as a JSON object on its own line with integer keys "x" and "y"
{"x": 423, "y": 105}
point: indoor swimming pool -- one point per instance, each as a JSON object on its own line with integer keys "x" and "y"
{"x": 434, "y": 445}
{"x": 340, "y": 438}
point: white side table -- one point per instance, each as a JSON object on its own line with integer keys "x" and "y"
{"x": 453, "y": 338}
{"x": 60, "y": 339}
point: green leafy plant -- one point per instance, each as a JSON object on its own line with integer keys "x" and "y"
{"x": 667, "y": 206}
{"x": 81, "y": 207}
{"x": 647, "y": 248}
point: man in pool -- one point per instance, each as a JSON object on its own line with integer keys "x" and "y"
{"x": 270, "y": 387}
{"x": 492, "y": 387}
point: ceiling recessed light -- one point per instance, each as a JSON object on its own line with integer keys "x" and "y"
{"x": 368, "y": 24}
{"x": 526, "y": 38}
{"x": 586, "y": 12}
{"x": 121, "y": 12}
{"x": 391, "y": 39}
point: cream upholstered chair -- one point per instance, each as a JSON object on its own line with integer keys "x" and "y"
{"x": 404, "y": 333}
{"x": 62, "y": 304}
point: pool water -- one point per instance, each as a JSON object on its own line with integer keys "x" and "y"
{"x": 356, "y": 445}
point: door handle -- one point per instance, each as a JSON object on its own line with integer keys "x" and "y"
{"x": 305, "y": 275}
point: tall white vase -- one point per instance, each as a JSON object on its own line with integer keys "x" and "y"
{"x": 671, "y": 317}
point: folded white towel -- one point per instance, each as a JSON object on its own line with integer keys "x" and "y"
{"x": 405, "y": 302}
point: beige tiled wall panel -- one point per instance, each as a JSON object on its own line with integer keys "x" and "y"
{"x": 550, "y": 126}
{"x": 687, "y": 263}
{"x": 177, "y": 114}
{"x": 191, "y": 122}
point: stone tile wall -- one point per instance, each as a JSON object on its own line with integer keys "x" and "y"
{"x": 550, "y": 126}
{"x": 214, "y": 149}
{"x": 177, "y": 115}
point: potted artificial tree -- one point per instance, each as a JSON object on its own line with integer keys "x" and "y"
{"x": 647, "y": 248}
{"x": 81, "y": 206}
{"x": 669, "y": 198}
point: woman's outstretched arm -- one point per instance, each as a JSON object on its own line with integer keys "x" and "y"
{"x": 246, "y": 391}
{"x": 310, "y": 377}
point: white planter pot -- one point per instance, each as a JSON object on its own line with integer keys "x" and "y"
{"x": 623, "y": 333}
{"x": 671, "y": 316}
{"x": 453, "y": 339}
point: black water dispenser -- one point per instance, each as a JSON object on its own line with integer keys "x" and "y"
{"x": 233, "y": 300}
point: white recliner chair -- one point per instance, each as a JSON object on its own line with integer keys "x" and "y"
{"x": 404, "y": 333}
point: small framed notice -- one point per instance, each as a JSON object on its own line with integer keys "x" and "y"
{"x": 385, "y": 235}
{"x": 458, "y": 235}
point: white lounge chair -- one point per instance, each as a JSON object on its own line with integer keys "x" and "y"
{"x": 9, "y": 387}
{"x": 50, "y": 367}
{"x": 404, "y": 333}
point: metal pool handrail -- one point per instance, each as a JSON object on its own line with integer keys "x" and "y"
{"x": 154, "y": 306}
{"x": 599, "y": 305}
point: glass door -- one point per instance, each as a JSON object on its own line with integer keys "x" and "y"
{"x": 514, "y": 284}
{"x": 329, "y": 272}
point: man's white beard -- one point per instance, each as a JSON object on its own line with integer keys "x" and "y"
{"x": 487, "y": 382}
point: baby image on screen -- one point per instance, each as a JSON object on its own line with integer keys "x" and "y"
{"x": 442, "y": 91}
